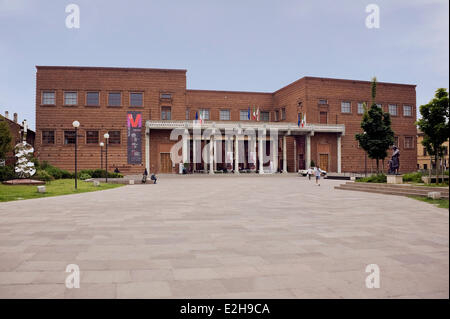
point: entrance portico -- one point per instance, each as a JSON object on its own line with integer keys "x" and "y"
{"x": 238, "y": 146}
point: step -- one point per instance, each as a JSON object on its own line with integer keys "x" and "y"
{"x": 395, "y": 187}
{"x": 399, "y": 192}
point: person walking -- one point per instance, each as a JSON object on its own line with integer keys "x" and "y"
{"x": 144, "y": 176}
{"x": 309, "y": 173}
{"x": 317, "y": 173}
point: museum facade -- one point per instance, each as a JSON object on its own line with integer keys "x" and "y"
{"x": 155, "y": 122}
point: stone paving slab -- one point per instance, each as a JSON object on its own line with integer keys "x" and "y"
{"x": 224, "y": 237}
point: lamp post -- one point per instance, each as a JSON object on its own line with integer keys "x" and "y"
{"x": 76, "y": 124}
{"x": 106, "y": 136}
{"x": 101, "y": 155}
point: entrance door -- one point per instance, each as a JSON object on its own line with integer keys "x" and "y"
{"x": 165, "y": 163}
{"x": 323, "y": 162}
{"x": 323, "y": 118}
{"x": 301, "y": 161}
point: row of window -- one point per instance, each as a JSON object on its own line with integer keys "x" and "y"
{"x": 92, "y": 137}
{"x": 225, "y": 115}
{"x": 346, "y": 107}
{"x": 93, "y": 98}
{"x": 445, "y": 152}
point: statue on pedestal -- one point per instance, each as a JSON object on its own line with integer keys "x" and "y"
{"x": 394, "y": 162}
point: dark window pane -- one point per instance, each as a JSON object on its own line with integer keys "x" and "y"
{"x": 114, "y": 137}
{"x": 48, "y": 137}
{"x": 48, "y": 98}
{"x": 166, "y": 113}
{"x": 92, "y": 137}
{"x": 114, "y": 99}
{"x": 136, "y": 99}
{"x": 69, "y": 137}
{"x": 166, "y": 95}
{"x": 92, "y": 98}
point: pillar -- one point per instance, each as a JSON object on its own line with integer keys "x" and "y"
{"x": 215, "y": 154}
{"x": 260, "y": 155}
{"x": 185, "y": 153}
{"x": 194, "y": 154}
{"x": 236, "y": 153}
{"x": 284, "y": 155}
{"x": 308, "y": 150}
{"x": 339, "y": 153}
{"x": 147, "y": 149}
{"x": 211, "y": 155}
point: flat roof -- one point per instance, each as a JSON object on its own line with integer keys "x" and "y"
{"x": 59, "y": 67}
{"x": 224, "y": 91}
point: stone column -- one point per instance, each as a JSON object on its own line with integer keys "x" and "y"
{"x": 236, "y": 153}
{"x": 260, "y": 155}
{"x": 284, "y": 155}
{"x": 211, "y": 155}
{"x": 339, "y": 153}
{"x": 147, "y": 149}
{"x": 215, "y": 154}
{"x": 194, "y": 153}
{"x": 308, "y": 150}
{"x": 185, "y": 153}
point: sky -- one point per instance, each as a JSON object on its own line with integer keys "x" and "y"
{"x": 241, "y": 45}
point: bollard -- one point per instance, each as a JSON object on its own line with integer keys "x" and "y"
{"x": 131, "y": 182}
{"x": 41, "y": 189}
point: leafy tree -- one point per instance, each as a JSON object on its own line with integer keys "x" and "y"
{"x": 435, "y": 124}
{"x": 5, "y": 139}
{"x": 377, "y": 135}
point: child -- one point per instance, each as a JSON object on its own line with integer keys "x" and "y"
{"x": 317, "y": 173}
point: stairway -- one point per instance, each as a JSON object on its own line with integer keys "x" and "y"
{"x": 393, "y": 189}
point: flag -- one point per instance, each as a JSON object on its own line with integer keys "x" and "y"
{"x": 254, "y": 113}
{"x": 248, "y": 113}
{"x": 196, "y": 116}
{"x": 304, "y": 120}
{"x": 257, "y": 114}
{"x": 298, "y": 119}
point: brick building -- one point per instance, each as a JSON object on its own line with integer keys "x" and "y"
{"x": 17, "y": 130}
{"x": 140, "y": 108}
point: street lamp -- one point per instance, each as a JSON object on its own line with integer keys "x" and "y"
{"x": 76, "y": 124}
{"x": 106, "y": 136}
{"x": 101, "y": 156}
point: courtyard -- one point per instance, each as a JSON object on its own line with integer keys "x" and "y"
{"x": 224, "y": 237}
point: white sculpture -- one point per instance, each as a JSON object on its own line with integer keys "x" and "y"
{"x": 24, "y": 153}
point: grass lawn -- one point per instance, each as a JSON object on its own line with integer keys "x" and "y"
{"x": 54, "y": 188}
{"x": 441, "y": 203}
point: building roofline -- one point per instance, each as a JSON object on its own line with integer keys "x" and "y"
{"x": 225, "y": 91}
{"x": 340, "y": 80}
{"x": 59, "y": 67}
{"x": 16, "y": 123}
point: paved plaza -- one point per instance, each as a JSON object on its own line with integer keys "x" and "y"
{"x": 224, "y": 237}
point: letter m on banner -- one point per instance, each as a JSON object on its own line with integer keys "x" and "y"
{"x": 134, "y": 120}
{"x": 134, "y": 139}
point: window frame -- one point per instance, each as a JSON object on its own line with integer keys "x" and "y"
{"x": 412, "y": 142}
{"x": 66, "y": 138}
{"x": 110, "y": 132}
{"x": 168, "y": 96}
{"x": 241, "y": 112}
{"x": 261, "y": 116}
{"x": 320, "y": 102}
{"x": 405, "y": 106}
{"x": 164, "y": 109}
{"x": 43, "y": 97}
{"x": 200, "y": 111}
{"x": 396, "y": 109}
{"x": 98, "y": 98}
{"x": 362, "y": 107}
{"x": 65, "y": 98}
{"x": 350, "y": 107}
{"x": 136, "y": 93}
{"x": 109, "y": 99}
{"x": 42, "y": 137}
{"x": 87, "y": 137}
{"x": 225, "y": 110}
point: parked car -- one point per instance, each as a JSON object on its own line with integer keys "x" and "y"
{"x": 304, "y": 172}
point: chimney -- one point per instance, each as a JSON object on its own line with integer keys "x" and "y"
{"x": 7, "y": 114}
{"x": 15, "y": 117}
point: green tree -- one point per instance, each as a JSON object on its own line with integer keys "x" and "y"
{"x": 5, "y": 139}
{"x": 434, "y": 124}
{"x": 377, "y": 135}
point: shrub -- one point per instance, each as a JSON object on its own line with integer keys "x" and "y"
{"x": 6, "y": 173}
{"x": 413, "y": 177}
{"x": 98, "y": 173}
{"x": 378, "y": 178}
{"x": 84, "y": 176}
{"x": 43, "y": 175}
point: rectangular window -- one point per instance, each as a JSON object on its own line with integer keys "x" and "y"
{"x": 393, "y": 109}
{"x": 243, "y": 115}
{"x": 114, "y": 137}
{"x": 283, "y": 114}
{"x": 91, "y": 137}
{"x": 424, "y": 151}
{"x": 380, "y": 105}
{"x": 276, "y": 115}
{"x": 225, "y": 115}
{"x": 166, "y": 113}
{"x": 114, "y": 99}
{"x": 360, "y": 108}
{"x": 48, "y": 137}
{"x": 48, "y": 98}
{"x": 409, "y": 142}
{"x": 204, "y": 114}
{"x": 69, "y": 137}
{"x": 396, "y": 141}
{"x": 346, "y": 107}
{"x": 92, "y": 98}
{"x": 265, "y": 116}
{"x": 70, "y": 98}
{"x": 136, "y": 99}
{"x": 166, "y": 96}
{"x": 407, "y": 110}
{"x": 187, "y": 114}
{"x": 323, "y": 101}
